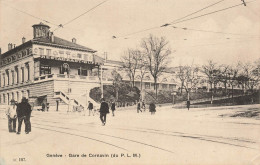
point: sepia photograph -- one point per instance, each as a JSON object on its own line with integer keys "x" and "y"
{"x": 130, "y": 82}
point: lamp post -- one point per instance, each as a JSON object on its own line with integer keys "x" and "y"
{"x": 66, "y": 66}
{"x": 101, "y": 82}
{"x": 173, "y": 96}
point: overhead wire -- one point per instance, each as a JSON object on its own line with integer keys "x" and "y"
{"x": 62, "y": 25}
{"x": 210, "y": 31}
{"x": 216, "y": 11}
{"x": 197, "y": 11}
{"x": 26, "y": 13}
{"x": 167, "y": 24}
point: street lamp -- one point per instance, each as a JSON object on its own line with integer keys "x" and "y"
{"x": 173, "y": 96}
{"x": 66, "y": 66}
{"x": 101, "y": 82}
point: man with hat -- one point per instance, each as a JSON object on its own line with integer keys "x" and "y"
{"x": 11, "y": 114}
{"x": 23, "y": 113}
{"x": 104, "y": 110}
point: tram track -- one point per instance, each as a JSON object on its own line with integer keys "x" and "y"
{"x": 214, "y": 139}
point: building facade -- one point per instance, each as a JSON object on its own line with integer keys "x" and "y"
{"x": 48, "y": 69}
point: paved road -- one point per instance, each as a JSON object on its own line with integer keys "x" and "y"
{"x": 198, "y": 136}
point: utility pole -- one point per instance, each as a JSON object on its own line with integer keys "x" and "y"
{"x": 66, "y": 65}
{"x": 244, "y": 2}
{"x": 101, "y": 81}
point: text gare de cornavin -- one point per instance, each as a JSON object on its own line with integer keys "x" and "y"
{"x": 134, "y": 155}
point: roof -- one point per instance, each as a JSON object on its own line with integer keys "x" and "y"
{"x": 61, "y": 42}
{"x": 115, "y": 62}
{"x": 58, "y": 42}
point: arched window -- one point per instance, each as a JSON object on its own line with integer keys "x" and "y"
{"x": 138, "y": 77}
{"x": 164, "y": 80}
{"x": 147, "y": 78}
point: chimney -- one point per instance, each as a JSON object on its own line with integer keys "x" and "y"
{"x": 10, "y": 46}
{"x": 0, "y": 51}
{"x": 23, "y": 40}
{"x": 74, "y": 40}
{"x": 14, "y": 46}
{"x": 51, "y": 36}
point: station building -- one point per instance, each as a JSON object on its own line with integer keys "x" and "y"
{"x": 48, "y": 69}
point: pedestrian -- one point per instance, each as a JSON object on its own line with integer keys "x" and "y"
{"x": 188, "y": 104}
{"x": 139, "y": 107}
{"x": 143, "y": 105}
{"x": 152, "y": 108}
{"x": 104, "y": 110}
{"x": 12, "y": 116}
{"x": 90, "y": 108}
{"x": 23, "y": 113}
{"x": 47, "y": 106}
{"x": 113, "y": 107}
{"x": 28, "y": 117}
{"x": 43, "y": 107}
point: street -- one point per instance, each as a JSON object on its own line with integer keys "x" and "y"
{"x": 171, "y": 136}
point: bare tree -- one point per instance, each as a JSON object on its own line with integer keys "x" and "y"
{"x": 117, "y": 81}
{"x": 224, "y": 75}
{"x": 232, "y": 77}
{"x": 211, "y": 71}
{"x": 130, "y": 63}
{"x": 249, "y": 75}
{"x": 157, "y": 52}
{"x": 191, "y": 79}
{"x": 142, "y": 67}
{"x": 181, "y": 76}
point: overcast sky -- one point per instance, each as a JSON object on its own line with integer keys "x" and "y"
{"x": 121, "y": 17}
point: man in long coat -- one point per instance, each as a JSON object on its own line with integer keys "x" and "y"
{"x": 104, "y": 110}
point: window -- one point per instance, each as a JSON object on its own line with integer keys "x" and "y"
{"x": 17, "y": 74}
{"x": 48, "y": 52}
{"x": 85, "y": 57}
{"x": 147, "y": 85}
{"x": 8, "y": 98}
{"x": 45, "y": 69}
{"x": 172, "y": 86}
{"x": 27, "y": 51}
{"x": 22, "y": 69}
{"x": 41, "y": 51}
{"x": 63, "y": 70}
{"x": 164, "y": 86}
{"x": 83, "y": 72}
{"x": 18, "y": 97}
{"x": 28, "y": 71}
{"x": 28, "y": 93}
{"x": 3, "y": 79}
{"x": 12, "y": 77}
{"x": 79, "y": 55}
{"x": 8, "y": 78}
{"x": 3, "y": 98}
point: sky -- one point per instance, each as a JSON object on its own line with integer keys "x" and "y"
{"x": 122, "y": 17}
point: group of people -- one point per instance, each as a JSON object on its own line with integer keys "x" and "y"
{"x": 21, "y": 112}
{"x": 141, "y": 106}
{"x": 104, "y": 110}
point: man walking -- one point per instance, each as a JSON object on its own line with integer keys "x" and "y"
{"x": 104, "y": 109}
{"x": 139, "y": 107}
{"x": 23, "y": 113}
{"x": 11, "y": 114}
{"x": 113, "y": 107}
{"x": 188, "y": 104}
{"x": 90, "y": 108}
{"x": 143, "y": 105}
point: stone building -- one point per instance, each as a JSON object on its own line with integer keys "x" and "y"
{"x": 48, "y": 69}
